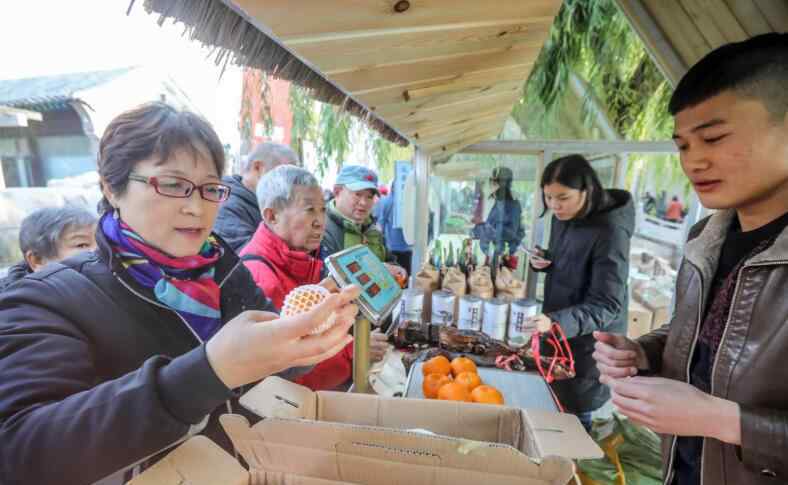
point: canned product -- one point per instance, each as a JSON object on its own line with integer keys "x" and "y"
{"x": 470, "y": 314}
{"x": 412, "y": 304}
{"x": 496, "y": 313}
{"x": 519, "y": 329}
{"x": 443, "y": 307}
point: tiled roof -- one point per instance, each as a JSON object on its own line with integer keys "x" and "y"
{"x": 51, "y": 92}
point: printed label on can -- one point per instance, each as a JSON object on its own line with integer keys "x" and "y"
{"x": 443, "y": 308}
{"x": 470, "y": 315}
{"x": 496, "y": 313}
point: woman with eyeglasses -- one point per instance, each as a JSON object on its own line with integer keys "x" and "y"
{"x": 112, "y": 357}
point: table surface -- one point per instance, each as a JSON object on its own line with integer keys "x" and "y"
{"x": 520, "y": 389}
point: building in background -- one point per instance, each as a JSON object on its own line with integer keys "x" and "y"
{"x": 74, "y": 110}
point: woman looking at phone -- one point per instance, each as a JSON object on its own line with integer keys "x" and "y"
{"x": 587, "y": 268}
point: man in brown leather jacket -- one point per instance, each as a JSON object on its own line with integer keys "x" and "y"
{"x": 714, "y": 381}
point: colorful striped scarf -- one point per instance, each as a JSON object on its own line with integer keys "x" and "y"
{"x": 185, "y": 284}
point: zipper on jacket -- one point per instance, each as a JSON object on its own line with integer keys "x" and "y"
{"x": 701, "y": 305}
{"x": 722, "y": 340}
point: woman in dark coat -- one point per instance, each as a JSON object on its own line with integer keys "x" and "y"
{"x": 114, "y": 356}
{"x": 587, "y": 266}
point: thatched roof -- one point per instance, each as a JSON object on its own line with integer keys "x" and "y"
{"x": 440, "y": 73}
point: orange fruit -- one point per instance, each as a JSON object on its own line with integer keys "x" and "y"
{"x": 470, "y": 380}
{"x": 454, "y": 391}
{"x": 436, "y": 365}
{"x": 432, "y": 383}
{"x": 487, "y": 395}
{"x": 462, "y": 364}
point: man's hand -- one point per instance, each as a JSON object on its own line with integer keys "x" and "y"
{"x": 378, "y": 345}
{"x": 668, "y": 406}
{"x": 617, "y": 356}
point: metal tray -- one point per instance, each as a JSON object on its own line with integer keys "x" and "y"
{"x": 520, "y": 389}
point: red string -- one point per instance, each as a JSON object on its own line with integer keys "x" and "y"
{"x": 562, "y": 355}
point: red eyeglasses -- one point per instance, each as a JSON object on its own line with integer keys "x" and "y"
{"x": 181, "y": 188}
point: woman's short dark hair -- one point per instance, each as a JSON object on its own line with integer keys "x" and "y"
{"x": 40, "y": 232}
{"x": 152, "y": 130}
{"x": 575, "y": 172}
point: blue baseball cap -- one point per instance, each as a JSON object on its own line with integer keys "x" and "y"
{"x": 356, "y": 178}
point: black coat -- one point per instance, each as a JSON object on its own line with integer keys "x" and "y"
{"x": 239, "y": 215}
{"x": 15, "y": 273}
{"x": 98, "y": 376}
{"x": 586, "y": 290}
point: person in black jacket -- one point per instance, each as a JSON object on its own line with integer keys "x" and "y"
{"x": 239, "y": 216}
{"x": 111, "y": 357}
{"x": 587, "y": 271}
{"x": 51, "y": 234}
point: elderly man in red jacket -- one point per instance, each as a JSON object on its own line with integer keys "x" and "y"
{"x": 284, "y": 254}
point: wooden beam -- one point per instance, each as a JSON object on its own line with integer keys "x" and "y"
{"x": 680, "y": 29}
{"x": 456, "y": 115}
{"x": 439, "y": 129}
{"x": 331, "y": 19}
{"x": 776, "y": 13}
{"x": 659, "y": 47}
{"x": 506, "y": 98}
{"x": 385, "y": 50}
{"x": 470, "y": 84}
{"x": 362, "y": 81}
{"x": 442, "y": 101}
{"x": 473, "y": 131}
{"x": 571, "y": 146}
{"x": 750, "y": 17}
{"x": 453, "y": 147}
{"x": 717, "y": 28}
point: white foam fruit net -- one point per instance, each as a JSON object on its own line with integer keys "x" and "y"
{"x": 302, "y": 299}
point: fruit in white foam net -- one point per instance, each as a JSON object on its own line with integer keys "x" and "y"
{"x": 302, "y": 299}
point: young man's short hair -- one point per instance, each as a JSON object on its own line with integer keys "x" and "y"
{"x": 755, "y": 68}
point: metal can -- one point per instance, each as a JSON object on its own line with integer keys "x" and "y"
{"x": 443, "y": 307}
{"x": 470, "y": 314}
{"x": 412, "y": 304}
{"x": 519, "y": 329}
{"x": 496, "y": 314}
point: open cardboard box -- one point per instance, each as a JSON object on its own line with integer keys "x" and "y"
{"x": 337, "y": 438}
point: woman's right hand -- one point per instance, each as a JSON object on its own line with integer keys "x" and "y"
{"x": 618, "y": 356}
{"x": 255, "y": 345}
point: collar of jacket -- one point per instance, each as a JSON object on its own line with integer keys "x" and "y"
{"x": 704, "y": 251}
{"x": 238, "y": 189}
{"x": 346, "y": 223}
{"x": 225, "y": 266}
{"x": 302, "y": 267}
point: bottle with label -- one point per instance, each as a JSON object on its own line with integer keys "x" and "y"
{"x": 450, "y": 261}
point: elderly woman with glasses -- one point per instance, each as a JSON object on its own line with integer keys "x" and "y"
{"x": 284, "y": 253}
{"x": 112, "y": 357}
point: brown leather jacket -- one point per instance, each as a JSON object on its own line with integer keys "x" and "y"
{"x": 750, "y": 367}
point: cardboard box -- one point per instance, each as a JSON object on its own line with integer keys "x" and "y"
{"x": 366, "y": 439}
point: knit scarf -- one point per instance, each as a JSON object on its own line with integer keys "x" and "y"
{"x": 185, "y": 284}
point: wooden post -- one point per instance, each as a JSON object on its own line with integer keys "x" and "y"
{"x": 361, "y": 331}
{"x": 421, "y": 167}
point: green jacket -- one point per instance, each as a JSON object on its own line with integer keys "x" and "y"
{"x": 343, "y": 233}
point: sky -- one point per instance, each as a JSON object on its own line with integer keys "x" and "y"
{"x": 44, "y": 37}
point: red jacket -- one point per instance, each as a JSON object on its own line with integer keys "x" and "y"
{"x": 287, "y": 270}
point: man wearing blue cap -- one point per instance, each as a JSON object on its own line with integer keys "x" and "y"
{"x": 349, "y": 221}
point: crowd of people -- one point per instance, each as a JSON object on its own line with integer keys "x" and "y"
{"x": 124, "y": 335}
